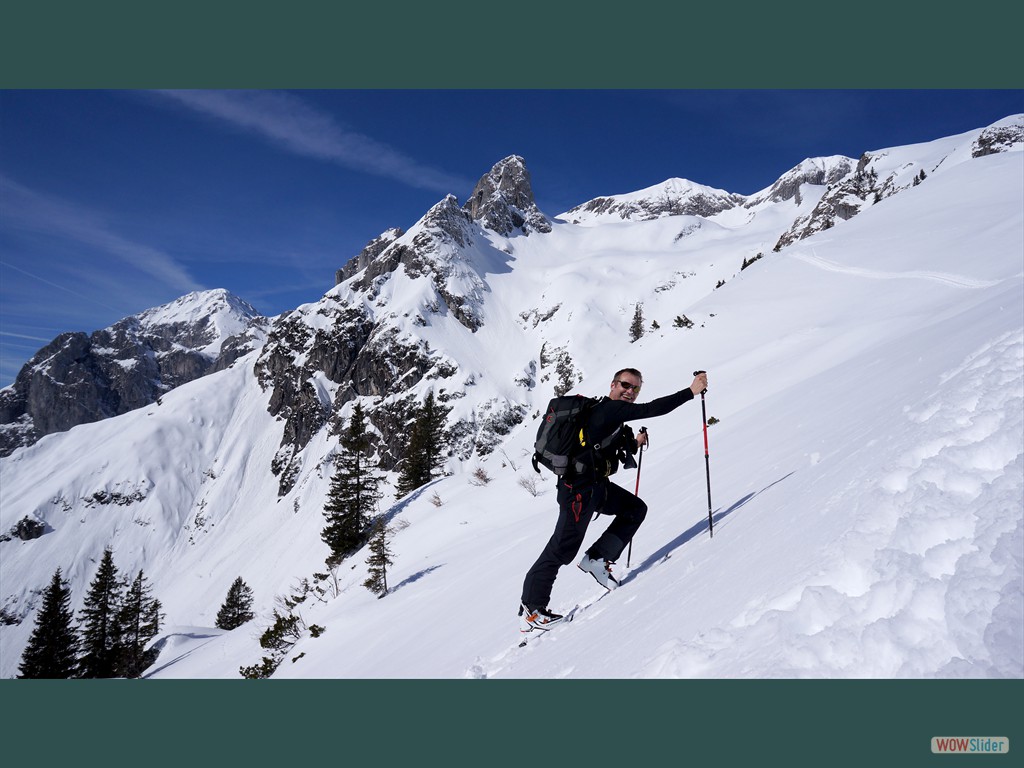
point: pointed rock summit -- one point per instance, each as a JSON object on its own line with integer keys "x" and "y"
{"x": 503, "y": 200}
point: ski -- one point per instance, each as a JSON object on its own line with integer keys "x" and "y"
{"x": 567, "y": 618}
{"x": 538, "y": 631}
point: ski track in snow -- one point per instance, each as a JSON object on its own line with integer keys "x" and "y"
{"x": 527, "y": 642}
{"x": 915, "y": 581}
{"x": 957, "y": 281}
{"x": 170, "y": 641}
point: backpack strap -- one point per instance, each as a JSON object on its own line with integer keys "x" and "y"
{"x": 608, "y": 440}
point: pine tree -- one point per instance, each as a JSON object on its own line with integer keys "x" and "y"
{"x": 353, "y": 495}
{"x": 139, "y": 622}
{"x": 278, "y": 638}
{"x": 427, "y": 446}
{"x": 636, "y": 328}
{"x": 288, "y": 628}
{"x": 237, "y": 608}
{"x": 100, "y": 632}
{"x": 565, "y": 373}
{"x": 380, "y": 558}
{"x": 682, "y": 321}
{"x": 52, "y": 650}
{"x": 435, "y": 419}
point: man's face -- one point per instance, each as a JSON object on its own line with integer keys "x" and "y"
{"x": 625, "y": 387}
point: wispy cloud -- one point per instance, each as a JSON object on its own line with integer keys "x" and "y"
{"x": 27, "y": 210}
{"x": 59, "y": 286}
{"x": 23, "y": 336}
{"x": 297, "y": 127}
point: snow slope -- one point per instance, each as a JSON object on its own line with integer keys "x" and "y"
{"x": 867, "y": 469}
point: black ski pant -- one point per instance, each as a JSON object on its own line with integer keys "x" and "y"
{"x": 576, "y": 507}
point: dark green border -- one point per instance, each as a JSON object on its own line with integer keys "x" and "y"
{"x": 495, "y": 723}
{"x": 526, "y": 44}
{"x": 523, "y": 45}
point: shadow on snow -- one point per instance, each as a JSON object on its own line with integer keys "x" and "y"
{"x": 665, "y": 551}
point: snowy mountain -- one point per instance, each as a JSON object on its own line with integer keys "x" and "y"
{"x": 867, "y": 455}
{"x": 674, "y": 197}
{"x": 79, "y": 378}
{"x": 816, "y": 172}
{"x": 884, "y": 173}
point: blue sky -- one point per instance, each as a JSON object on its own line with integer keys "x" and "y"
{"x": 112, "y": 202}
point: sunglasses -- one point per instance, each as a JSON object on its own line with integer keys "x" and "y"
{"x": 627, "y": 386}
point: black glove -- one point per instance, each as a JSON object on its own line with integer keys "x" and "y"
{"x": 627, "y": 440}
{"x": 626, "y": 447}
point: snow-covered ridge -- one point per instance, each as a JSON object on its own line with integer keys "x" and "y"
{"x": 673, "y": 197}
{"x": 878, "y": 174}
{"x": 221, "y": 314}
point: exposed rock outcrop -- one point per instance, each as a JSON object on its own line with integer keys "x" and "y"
{"x": 503, "y": 200}
{"x": 675, "y": 197}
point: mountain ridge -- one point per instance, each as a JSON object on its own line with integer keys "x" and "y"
{"x": 125, "y": 366}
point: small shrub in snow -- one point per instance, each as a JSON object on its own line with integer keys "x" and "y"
{"x": 479, "y": 477}
{"x": 529, "y": 483}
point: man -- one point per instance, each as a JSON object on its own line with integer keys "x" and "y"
{"x": 581, "y": 494}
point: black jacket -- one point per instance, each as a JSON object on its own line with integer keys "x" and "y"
{"x": 610, "y": 441}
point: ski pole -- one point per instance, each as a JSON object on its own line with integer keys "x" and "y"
{"x": 639, "y": 466}
{"x": 707, "y": 459}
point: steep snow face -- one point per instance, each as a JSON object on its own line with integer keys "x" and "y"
{"x": 866, "y": 462}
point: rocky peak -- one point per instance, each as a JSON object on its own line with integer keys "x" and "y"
{"x": 368, "y": 255}
{"x": 199, "y": 321}
{"x": 884, "y": 173}
{"x": 80, "y": 378}
{"x": 446, "y": 224}
{"x": 503, "y": 200}
{"x": 440, "y": 247}
{"x": 815, "y": 171}
{"x": 357, "y": 342}
{"x": 842, "y": 201}
{"x": 673, "y": 197}
{"x": 1003, "y": 136}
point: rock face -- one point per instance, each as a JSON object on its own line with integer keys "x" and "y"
{"x": 842, "y": 200}
{"x": 879, "y": 175}
{"x": 817, "y": 172}
{"x": 356, "y": 342}
{"x": 79, "y": 378}
{"x": 369, "y": 256}
{"x": 503, "y": 200}
{"x": 998, "y": 138}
